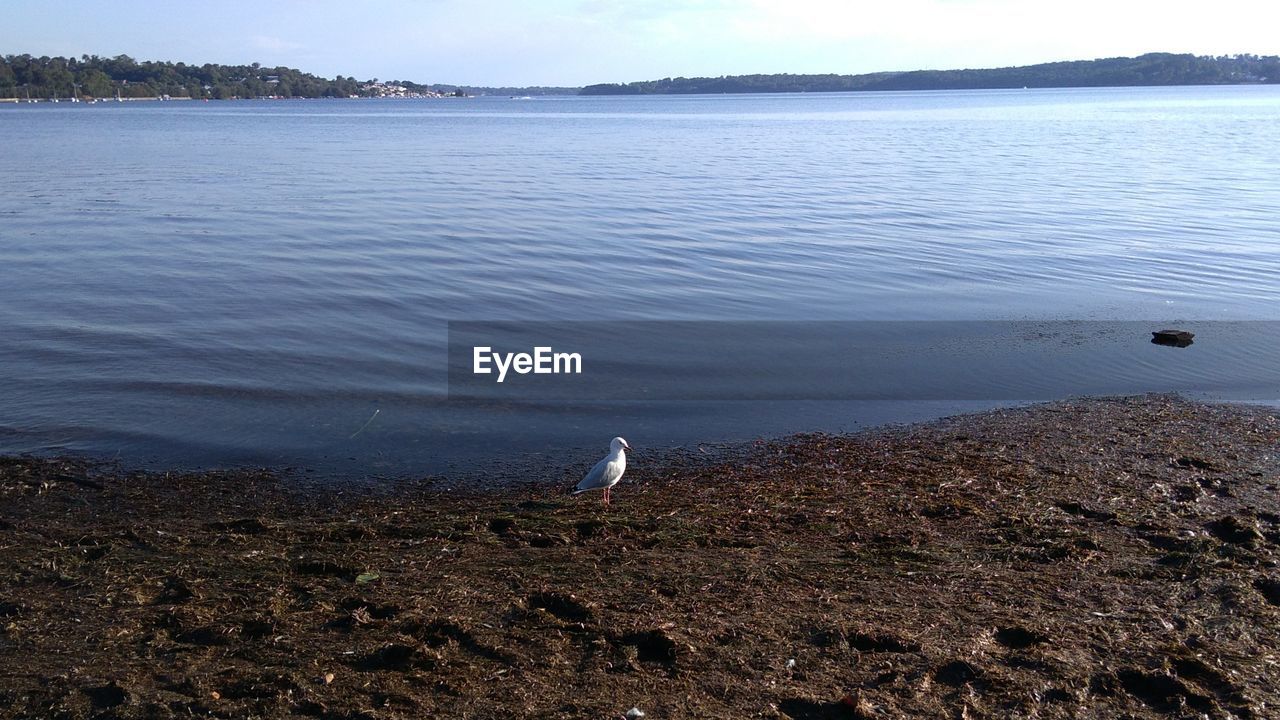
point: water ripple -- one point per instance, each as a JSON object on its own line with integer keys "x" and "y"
{"x": 171, "y": 268}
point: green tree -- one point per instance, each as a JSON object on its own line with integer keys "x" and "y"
{"x": 95, "y": 83}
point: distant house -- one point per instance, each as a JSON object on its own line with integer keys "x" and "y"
{"x": 378, "y": 89}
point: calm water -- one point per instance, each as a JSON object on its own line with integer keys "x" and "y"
{"x": 250, "y": 282}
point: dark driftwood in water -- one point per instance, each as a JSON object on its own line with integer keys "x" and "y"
{"x": 1172, "y": 338}
{"x": 1100, "y": 558}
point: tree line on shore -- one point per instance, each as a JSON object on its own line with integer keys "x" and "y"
{"x": 24, "y": 76}
{"x": 90, "y": 76}
{"x": 45, "y": 78}
{"x": 1149, "y": 69}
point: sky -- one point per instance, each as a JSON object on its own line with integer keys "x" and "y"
{"x": 579, "y": 42}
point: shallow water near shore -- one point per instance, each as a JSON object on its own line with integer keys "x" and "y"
{"x": 269, "y": 283}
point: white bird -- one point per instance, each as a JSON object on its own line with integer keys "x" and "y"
{"x": 608, "y": 471}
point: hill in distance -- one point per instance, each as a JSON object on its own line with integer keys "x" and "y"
{"x": 1150, "y": 69}
{"x": 90, "y": 76}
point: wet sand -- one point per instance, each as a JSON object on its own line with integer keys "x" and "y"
{"x": 1095, "y": 558}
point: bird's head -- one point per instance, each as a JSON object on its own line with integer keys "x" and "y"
{"x": 619, "y": 444}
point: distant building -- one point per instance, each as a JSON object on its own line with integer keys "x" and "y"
{"x": 390, "y": 90}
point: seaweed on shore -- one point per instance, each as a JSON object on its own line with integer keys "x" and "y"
{"x": 1105, "y": 558}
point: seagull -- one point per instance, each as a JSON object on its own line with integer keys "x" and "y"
{"x": 608, "y": 471}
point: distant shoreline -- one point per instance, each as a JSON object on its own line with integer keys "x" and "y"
{"x": 187, "y": 98}
{"x": 1150, "y": 70}
{"x": 24, "y": 77}
{"x": 110, "y": 101}
{"x": 89, "y": 101}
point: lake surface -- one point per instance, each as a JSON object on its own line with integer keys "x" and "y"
{"x": 271, "y": 283}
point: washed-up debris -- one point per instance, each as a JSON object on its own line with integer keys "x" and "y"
{"x": 1172, "y": 338}
{"x": 1232, "y": 529}
{"x": 635, "y": 713}
{"x": 1031, "y": 562}
{"x": 1195, "y": 463}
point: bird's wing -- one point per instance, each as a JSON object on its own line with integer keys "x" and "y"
{"x": 613, "y": 473}
{"x": 597, "y": 478}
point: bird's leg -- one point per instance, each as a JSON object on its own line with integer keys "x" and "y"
{"x": 606, "y": 496}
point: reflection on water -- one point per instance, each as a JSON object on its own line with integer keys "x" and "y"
{"x": 248, "y": 282}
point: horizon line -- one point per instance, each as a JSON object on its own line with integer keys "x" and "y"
{"x": 669, "y": 77}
